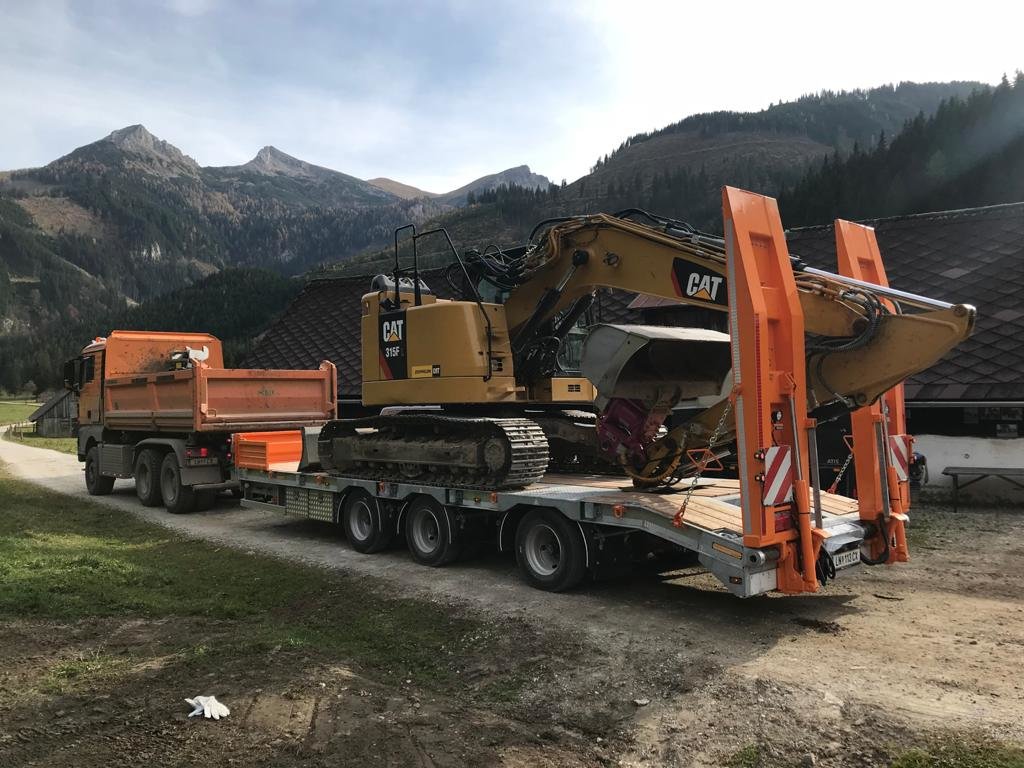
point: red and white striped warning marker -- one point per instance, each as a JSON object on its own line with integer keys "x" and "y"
{"x": 778, "y": 475}
{"x": 899, "y": 455}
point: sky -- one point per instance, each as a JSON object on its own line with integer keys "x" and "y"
{"x": 436, "y": 93}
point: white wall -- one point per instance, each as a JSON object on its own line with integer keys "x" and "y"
{"x": 943, "y": 451}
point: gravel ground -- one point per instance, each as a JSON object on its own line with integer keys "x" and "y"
{"x": 881, "y": 658}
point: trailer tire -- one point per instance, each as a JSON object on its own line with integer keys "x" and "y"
{"x": 95, "y": 483}
{"x": 429, "y": 534}
{"x": 550, "y": 551}
{"x": 363, "y": 523}
{"x": 179, "y": 499}
{"x": 147, "y": 477}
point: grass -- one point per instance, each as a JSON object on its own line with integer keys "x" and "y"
{"x": 86, "y": 668}
{"x": 751, "y": 756}
{"x": 962, "y": 752}
{"x": 62, "y": 444}
{"x": 67, "y": 560}
{"x": 13, "y": 411}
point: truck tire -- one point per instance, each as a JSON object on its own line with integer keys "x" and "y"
{"x": 95, "y": 483}
{"x": 363, "y": 523}
{"x": 179, "y": 499}
{"x": 147, "y": 477}
{"x": 428, "y": 533}
{"x": 550, "y": 551}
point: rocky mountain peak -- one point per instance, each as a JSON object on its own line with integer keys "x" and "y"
{"x": 136, "y": 139}
{"x": 271, "y": 160}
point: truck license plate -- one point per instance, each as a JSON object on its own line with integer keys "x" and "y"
{"x": 846, "y": 559}
{"x": 207, "y": 462}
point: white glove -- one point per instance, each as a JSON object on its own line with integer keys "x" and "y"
{"x": 208, "y": 707}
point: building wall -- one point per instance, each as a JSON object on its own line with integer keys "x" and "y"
{"x": 959, "y": 451}
{"x": 54, "y": 427}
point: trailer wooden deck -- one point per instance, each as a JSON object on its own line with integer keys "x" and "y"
{"x": 713, "y": 506}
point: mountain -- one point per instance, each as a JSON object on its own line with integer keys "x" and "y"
{"x": 130, "y": 217}
{"x": 520, "y": 176}
{"x": 398, "y": 189}
{"x": 679, "y": 170}
{"x": 272, "y": 174}
{"x": 141, "y": 216}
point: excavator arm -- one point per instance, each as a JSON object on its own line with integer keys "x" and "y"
{"x": 590, "y": 252}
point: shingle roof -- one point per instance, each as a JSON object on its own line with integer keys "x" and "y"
{"x": 972, "y": 256}
{"x": 49, "y": 405}
{"x": 322, "y": 323}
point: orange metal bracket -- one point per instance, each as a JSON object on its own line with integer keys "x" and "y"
{"x": 859, "y": 258}
{"x": 766, "y": 325}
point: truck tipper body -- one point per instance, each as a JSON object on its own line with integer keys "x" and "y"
{"x": 161, "y": 408}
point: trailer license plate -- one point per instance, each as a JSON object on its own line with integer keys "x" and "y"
{"x": 846, "y": 559}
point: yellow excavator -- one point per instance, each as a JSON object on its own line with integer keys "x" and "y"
{"x": 474, "y": 391}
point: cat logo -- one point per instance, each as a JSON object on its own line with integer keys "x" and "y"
{"x": 703, "y": 286}
{"x": 391, "y": 330}
{"x": 693, "y": 281}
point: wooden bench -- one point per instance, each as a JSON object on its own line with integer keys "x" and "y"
{"x": 1009, "y": 474}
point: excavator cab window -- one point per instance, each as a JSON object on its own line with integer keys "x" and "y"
{"x": 570, "y": 354}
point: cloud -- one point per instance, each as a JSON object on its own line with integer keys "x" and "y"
{"x": 436, "y": 93}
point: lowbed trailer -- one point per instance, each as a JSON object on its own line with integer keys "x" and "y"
{"x": 560, "y": 528}
{"x": 771, "y": 529}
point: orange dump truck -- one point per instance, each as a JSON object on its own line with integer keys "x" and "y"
{"x": 161, "y": 408}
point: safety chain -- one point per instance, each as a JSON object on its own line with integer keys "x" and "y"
{"x": 678, "y": 519}
{"x": 835, "y": 483}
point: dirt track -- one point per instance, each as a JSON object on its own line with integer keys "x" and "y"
{"x": 881, "y": 657}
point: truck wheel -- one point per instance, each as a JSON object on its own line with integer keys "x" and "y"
{"x": 550, "y": 551}
{"x": 363, "y": 523}
{"x": 147, "y": 477}
{"x": 428, "y": 533}
{"x": 179, "y": 499}
{"x": 95, "y": 483}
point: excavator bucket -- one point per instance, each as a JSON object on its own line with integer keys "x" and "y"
{"x": 655, "y": 365}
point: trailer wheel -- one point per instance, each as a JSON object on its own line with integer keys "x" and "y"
{"x": 95, "y": 483}
{"x": 429, "y": 534}
{"x": 179, "y": 499}
{"x": 147, "y": 477}
{"x": 550, "y": 551}
{"x": 363, "y": 524}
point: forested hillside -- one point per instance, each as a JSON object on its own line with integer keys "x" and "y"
{"x": 969, "y": 153}
{"x": 235, "y": 305}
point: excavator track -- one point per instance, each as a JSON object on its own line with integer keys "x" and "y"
{"x": 433, "y": 449}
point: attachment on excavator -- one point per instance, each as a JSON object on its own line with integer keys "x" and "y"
{"x": 642, "y": 371}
